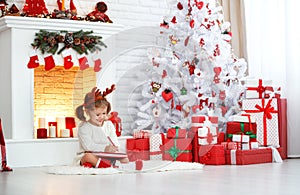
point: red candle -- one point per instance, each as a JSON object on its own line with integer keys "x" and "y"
{"x": 41, "y": 133}
{"x": 70, "y": 124}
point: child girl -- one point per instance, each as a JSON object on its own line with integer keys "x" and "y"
{"x": 94, "y": 133}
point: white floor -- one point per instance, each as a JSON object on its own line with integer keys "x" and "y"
{"x": 265, "y": 179}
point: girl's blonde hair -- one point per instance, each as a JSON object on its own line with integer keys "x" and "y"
{"x": 92, "y": 100}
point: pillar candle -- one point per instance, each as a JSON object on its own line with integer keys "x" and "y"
{"x": 42, "y": 122}
{"x": 52, "y": 131}
{"x": 61, "y": 124}
{"x": 64, "y": 133}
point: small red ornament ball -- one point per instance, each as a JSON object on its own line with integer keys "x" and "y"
{"x": 179, "y": 6}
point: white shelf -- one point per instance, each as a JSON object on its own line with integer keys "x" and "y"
{"x": 58, "y": 24}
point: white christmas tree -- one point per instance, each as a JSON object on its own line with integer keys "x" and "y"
{"x": 193, "y": 72}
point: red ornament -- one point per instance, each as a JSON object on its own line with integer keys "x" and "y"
{"x": 222, "y": 95}
{"x": 186, "y": 41}
{"x": 202, "y": 43}
{"x": 199, "y": 4}
{"x": 192, "y": 23}
{"x": 174, "y": 20}
{"x": 35, "y": 8}
{"x": 99, "y": 13}
{"x": 179, "y": 6}
{"x": 167, "y": 95}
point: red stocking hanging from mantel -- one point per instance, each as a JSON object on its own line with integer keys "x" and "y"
{"x": 33, "y": 60}
{"x": 83, "y": 62}
{"x": 97, "y": 62}
{"x": 66, "y": 54}
{"x": 49, "y": 62}
{"x": 4, "y": 166}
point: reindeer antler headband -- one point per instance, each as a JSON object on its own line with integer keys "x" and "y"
{"x": 96, "y": 94}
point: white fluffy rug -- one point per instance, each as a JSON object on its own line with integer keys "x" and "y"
{"x": 148, "y": 166}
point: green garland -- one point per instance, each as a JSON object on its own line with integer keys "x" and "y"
{"x": 80, "y": 41}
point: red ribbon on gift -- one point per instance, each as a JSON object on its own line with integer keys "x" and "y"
{"x": 267, "y": 110}
{"x": 260, "y": 88}
{"x": 209, "y": 137}
{"x": 249, "y": 119}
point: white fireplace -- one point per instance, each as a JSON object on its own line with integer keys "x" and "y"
{"x": 17, "y": 88}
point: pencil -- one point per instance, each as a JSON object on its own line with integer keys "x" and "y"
{"x": 112, "y": 143}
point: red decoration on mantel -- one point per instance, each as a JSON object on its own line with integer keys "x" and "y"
{"x": 35, "y": 8}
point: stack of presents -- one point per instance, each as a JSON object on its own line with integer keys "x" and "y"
{"x": 256, "y": 135}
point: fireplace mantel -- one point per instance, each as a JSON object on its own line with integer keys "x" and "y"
{"x": 31, "y": 23}
{"x": 17, "y": 83}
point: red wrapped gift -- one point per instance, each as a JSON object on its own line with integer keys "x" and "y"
{"x": 246, "y": 157}
{"x": 176, "y": 133}
{"x": 241, "y": 128}
{"x": 177, "y": 150}
{"x": 266, "y": 114}
{"x": 134, "y": 155}
{"x": 138, "y": 144}
{"x": 194, "y": 137}
{"x": 212, "y": 154}
{"x": 282, "y": 123}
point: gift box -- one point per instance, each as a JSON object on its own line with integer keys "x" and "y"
{"x": 282, "y": 123}
{"x": 156, "y": 142}
{"x": 195, "y": 146}
{"x": 137, "y": 149}
{"x": 240, "y": 138}
{"x": 241, "y": 128}
{"x": 177, "y": 149}
{"x": 232, "y": 145}
{"x": 176, "y": 132}
{"x": 198, "y": 121}
{"x": 134, "y": 155}
{"x": 137, "y": 144}
{"x": 244, "y": 118}
{"x": 258, "y": 88}
{"x": 246, "y": 157}
{"x": 266, "y": 114}
{"x": 207, "y": 135}
{"x": 142, "y": 134}
{"x": 212, "y": 154}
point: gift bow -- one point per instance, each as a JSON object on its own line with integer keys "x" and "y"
{"x": 260, "y": 88}
{"x": 250, "y": 133}
{"x": 267, "y": 114}
{"x": 208, "y": 125}
{"x": 174, "y": 151}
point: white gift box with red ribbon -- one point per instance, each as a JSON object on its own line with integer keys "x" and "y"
{"x": 208, "y": 133}
{"x": 258, "y": 88}
{"x": 265, "y": 112}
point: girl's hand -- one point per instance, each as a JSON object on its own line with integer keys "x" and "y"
{"x": 111, "y": 148}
